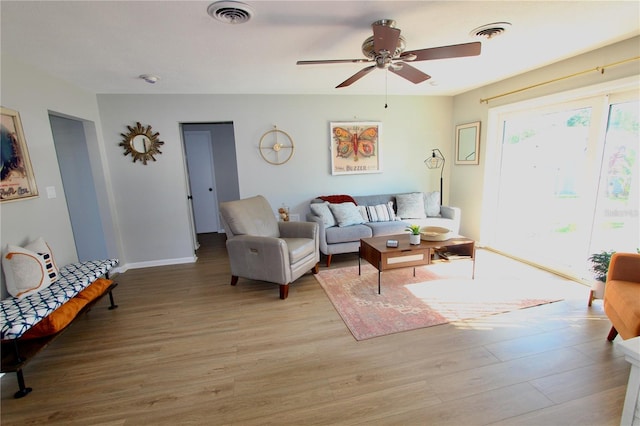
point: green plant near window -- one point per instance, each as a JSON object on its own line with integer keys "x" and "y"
{"x": 415, "y": 229}
{"x": 600, "y": 264}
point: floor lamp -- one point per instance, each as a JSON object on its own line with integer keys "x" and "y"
{"x": 436, "y": 161}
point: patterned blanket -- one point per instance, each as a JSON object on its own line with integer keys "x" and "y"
{"x": 18, "y": 316}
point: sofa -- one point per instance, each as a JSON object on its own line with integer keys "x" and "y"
{"x": 622, "y": 295}
{"x": 384, "y": 214}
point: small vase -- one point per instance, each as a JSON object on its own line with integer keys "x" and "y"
{"x": 414, "y": 239}
{"x": 598, "y": 289}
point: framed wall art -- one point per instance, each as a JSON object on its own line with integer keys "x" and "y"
{"x": 355, "y": 147}
{"x": 468, "y": 143}
{"x": 17, "y": 180}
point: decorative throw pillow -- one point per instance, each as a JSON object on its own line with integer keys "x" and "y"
{"x": 363, "y": 213}
{"x": 25, "y": 271}
{"x": 381, "y": 213}
{"x": 346, "y": 214}
{"x": 57, "y": 320}
{"x": 432, "y": 203}
{"x": 94, "y": 290}
{"x": 392, "y": 213}
{"x": 42, "y": 248}
{"x": 322, "y": 210}
{"x": 411, "y": 206}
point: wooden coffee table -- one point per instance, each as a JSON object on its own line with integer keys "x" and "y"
{"x": 375, "y": 251}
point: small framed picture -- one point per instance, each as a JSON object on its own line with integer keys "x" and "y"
{"x": 468, "y": 143}
{"x": 17, "y": 180}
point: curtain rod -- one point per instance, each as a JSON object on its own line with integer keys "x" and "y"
{"x": 598, "y": 69}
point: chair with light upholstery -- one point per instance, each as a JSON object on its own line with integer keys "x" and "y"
{"x": 622, "y": 295}
{"x": 261, "y": 248}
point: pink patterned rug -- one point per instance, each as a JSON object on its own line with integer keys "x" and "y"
{"x": 409, "y": 302}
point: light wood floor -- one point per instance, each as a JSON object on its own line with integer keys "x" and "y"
{"x": 185, "y": 347}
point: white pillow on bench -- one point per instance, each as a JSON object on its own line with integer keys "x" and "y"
{"x": 29, "y": 269}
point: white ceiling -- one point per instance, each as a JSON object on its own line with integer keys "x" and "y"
{"x": 103, "y": 46}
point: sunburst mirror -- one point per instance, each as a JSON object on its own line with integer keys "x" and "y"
{"x": 141, "y": 143}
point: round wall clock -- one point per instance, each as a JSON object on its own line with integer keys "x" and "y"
{"x": 141, "y": 143}
{"x": 276, "y": 146}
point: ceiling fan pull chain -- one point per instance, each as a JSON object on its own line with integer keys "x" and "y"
{"x": 386, "y": 74}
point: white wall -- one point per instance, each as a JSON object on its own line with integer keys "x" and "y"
{"x": 33, "y": 94}
{"x": 467, "y": 183}
{"x": 151, "y": 200}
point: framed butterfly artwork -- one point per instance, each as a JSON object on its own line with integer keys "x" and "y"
{"x": 355, "y": 147}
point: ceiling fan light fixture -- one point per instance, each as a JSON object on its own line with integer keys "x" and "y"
{"x": 369, "y": 51}
{"x": 490, "y": 31}
{"x": 230, "y": 12}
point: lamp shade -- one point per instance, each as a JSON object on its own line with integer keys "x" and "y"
{"x": 436, "y": 160}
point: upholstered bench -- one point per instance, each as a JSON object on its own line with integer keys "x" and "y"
{"x": 29, "y": 324}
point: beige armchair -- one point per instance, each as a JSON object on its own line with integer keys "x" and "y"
{"x": 261, "y": 248}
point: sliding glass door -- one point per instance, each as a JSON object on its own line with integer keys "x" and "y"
{"x": 568, "y": 182}
{"x": 616, "y": 224}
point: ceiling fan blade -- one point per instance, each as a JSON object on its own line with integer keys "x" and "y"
{"x": 443, "y": 52}
{"x": 385, "y": 38}
{"x": 412, "y": 74}
{"x": 333, "y": 61}
{"x": 357, "y": 76}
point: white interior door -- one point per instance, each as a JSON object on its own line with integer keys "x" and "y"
{"x": 202, "y": 181}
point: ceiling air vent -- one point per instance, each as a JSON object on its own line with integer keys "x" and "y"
{"x": 490, "y": 31}
{"x": 230, "y": 12}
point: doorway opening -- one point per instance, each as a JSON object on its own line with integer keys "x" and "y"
{"x": 75, "y": 142}
{"x": 212, "y": 173}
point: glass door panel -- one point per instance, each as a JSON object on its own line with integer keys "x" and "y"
{"x": 542, "y": 192}
{"x": 615, "y": 225}
{"x": 569, "y": 182}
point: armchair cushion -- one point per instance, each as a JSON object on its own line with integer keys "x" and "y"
{"x": 251, "y": 217}
{"x": 299, "y": 248}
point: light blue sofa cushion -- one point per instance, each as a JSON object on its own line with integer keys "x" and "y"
{"x": 346, "y": 234}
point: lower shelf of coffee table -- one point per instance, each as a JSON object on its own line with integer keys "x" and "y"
{"x": 404, "y": 259}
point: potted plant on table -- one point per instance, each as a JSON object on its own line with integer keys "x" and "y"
{"x": 414, "y": 238}
{"x": 600, "y": 267}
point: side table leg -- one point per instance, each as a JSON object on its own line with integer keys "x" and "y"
{"x": 473, "y": 270}
{"x": 379, "y": 273}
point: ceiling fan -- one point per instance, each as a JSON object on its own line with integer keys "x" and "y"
{"x": 386, "y": 49}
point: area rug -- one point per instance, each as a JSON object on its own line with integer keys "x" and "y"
{"x": 408, "y": 302}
